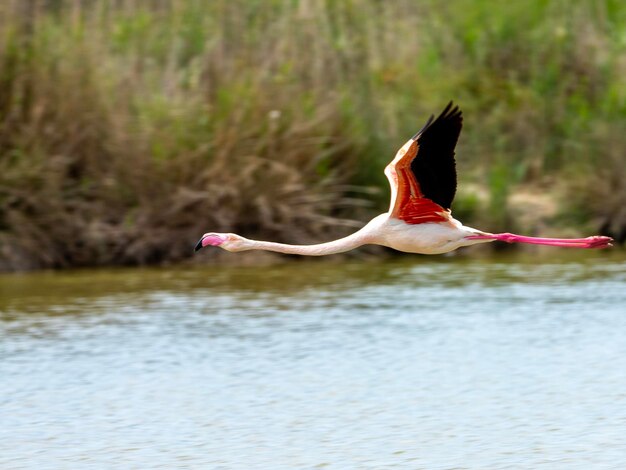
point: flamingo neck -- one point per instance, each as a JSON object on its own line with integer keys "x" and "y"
{"x": 336, "y": 246}
{"x": 589, "y": 242}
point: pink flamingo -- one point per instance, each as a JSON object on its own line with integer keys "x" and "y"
{"x": 423, "y": 184}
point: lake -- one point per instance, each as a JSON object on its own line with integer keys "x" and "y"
{"x": 412, "y": 363}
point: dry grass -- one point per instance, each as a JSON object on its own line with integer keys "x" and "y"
{"x": 129, "y": 128}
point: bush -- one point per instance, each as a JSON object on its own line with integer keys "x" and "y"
{"x": 127, "y": 129}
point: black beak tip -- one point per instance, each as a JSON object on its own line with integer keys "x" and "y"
{"x": 198, "y": 245}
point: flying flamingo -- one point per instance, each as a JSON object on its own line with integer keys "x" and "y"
{"x": 423, "y": 184}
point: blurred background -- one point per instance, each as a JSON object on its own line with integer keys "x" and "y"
{"x": 129, "y": 128}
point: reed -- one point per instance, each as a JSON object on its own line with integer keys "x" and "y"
{"x": 129, "y": 128}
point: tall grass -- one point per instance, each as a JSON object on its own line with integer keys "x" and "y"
{"x": 128, "y": 128}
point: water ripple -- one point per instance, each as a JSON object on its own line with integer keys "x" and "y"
{"x": 377, "y": 365}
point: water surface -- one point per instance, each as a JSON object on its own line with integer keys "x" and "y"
{"x": 421, "y": 362}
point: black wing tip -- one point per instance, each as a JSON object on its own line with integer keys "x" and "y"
{"x": 451, "y": 111}
{"x": 424, "y": 127}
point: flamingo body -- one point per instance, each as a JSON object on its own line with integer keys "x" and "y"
{"x": 429, "y": 238}
{"x": 422, "y": 177}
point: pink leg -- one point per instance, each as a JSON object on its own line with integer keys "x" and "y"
{"x": 589, "y": 242}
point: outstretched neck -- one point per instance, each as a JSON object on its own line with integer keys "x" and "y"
{"x": 336, "y": 246}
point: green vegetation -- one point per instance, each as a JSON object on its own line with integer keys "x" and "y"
{"x": 127, "y": 129}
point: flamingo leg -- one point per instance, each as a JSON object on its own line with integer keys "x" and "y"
{"x": 589, "y": 242}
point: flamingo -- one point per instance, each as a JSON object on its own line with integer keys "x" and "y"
{"x": 423, "y": 183}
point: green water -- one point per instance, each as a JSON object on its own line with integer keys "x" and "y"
{"x": 419, "y": 362}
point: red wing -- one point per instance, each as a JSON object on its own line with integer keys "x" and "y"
{"x": 407, "y": 200}
{"x": 423, "y": 174}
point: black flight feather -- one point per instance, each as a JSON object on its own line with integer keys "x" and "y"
{"x": 433, "y": 166}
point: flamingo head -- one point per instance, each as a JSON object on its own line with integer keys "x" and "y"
{"x": 227, "y": 241}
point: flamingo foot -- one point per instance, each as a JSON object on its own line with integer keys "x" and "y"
{"x": 589, "y": 242}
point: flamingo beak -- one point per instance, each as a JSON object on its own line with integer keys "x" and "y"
{"x": 209, "y": 240}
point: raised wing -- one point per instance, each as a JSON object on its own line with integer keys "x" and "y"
{"x": 423, "y": 173}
